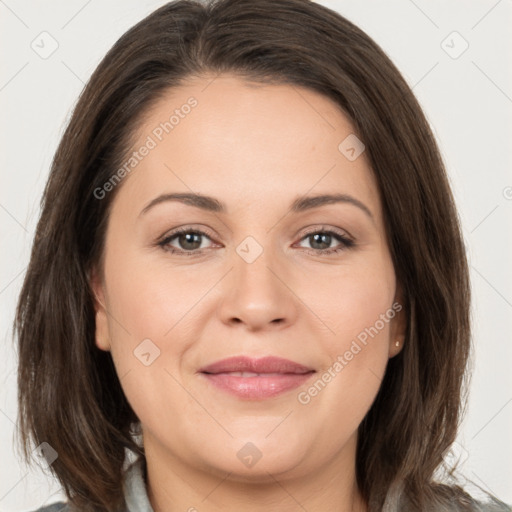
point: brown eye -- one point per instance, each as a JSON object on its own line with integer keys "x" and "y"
{"x": 321, "y": 240}
{"x": 187, "y": 241}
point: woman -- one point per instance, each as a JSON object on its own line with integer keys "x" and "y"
{"x": 246, "y": 371}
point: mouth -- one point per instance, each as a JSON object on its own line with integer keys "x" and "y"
{"x": 263, "y": 365}
{"x": 256, "y": 379}
{"x": 251, "y": 374}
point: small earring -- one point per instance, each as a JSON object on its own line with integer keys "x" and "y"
{"x": 397, "y": 343}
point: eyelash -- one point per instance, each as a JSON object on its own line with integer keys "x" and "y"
{"x": 346, "y": 242}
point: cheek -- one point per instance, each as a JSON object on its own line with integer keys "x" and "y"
{"x": 357, "y": 311}
{"x": 355, "y": 354}
{"x": 148, "y": 318}
{"x": 150, "y": 301}
{"x": 352, "y": 300}
{"x": 157, "y": 314}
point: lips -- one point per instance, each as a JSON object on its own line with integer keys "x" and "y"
{"x": 264, "y": 365}
{"x": 256, "y": 379}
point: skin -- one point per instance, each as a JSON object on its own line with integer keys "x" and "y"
{"x": 255, "y": 148}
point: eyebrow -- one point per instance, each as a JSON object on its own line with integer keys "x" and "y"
{"x": 300, "y": 204}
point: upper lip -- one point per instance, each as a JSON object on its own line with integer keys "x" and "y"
{"x": 269, "y": 364}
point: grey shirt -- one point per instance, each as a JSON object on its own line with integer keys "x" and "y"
{"x": 137, "y": 500}
{"x": 135, "y": 493}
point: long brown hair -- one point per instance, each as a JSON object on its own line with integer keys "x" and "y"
{"x": 69, "y": 393}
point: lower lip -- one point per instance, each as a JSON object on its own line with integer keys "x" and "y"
{"x": 257, "y": 387}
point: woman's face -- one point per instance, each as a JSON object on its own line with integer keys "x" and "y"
{"x": 257, "y": 281}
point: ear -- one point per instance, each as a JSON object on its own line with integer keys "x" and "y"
{"x": 398, "y": 324}
{"x": 101, "y": 318}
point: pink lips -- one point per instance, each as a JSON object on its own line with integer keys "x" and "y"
{"x": 256, "y": 378}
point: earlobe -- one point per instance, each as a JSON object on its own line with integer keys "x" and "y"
{"x": 395, "y": 348}
{"x": 101, "y": 319}
{"x": 398, "y": 326}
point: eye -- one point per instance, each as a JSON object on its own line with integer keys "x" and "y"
{"x": 321, "y": 239}
{"x": 188, "y": 240}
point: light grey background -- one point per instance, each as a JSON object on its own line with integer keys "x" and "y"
{"x": 467, "y": 99}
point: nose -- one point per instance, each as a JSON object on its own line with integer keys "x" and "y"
{"x": 258, "y": 294}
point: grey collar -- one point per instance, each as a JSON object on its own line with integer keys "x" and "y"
{"x": 135, "y": 492}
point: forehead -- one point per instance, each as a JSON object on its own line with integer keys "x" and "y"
{"x": 246, "y": 142}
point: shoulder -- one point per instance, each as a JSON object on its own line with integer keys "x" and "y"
{"x": 493, "y": 506}
{"x": 450, "y": 498}
{"x": 469, "y": 504}
{"x": 473, "y": 505}
{"x": 54, "y": 507}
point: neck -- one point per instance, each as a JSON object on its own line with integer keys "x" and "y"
{"x": 173, "y": 485}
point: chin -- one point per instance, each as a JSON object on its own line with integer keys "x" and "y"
{"x": 252, "y": 461}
